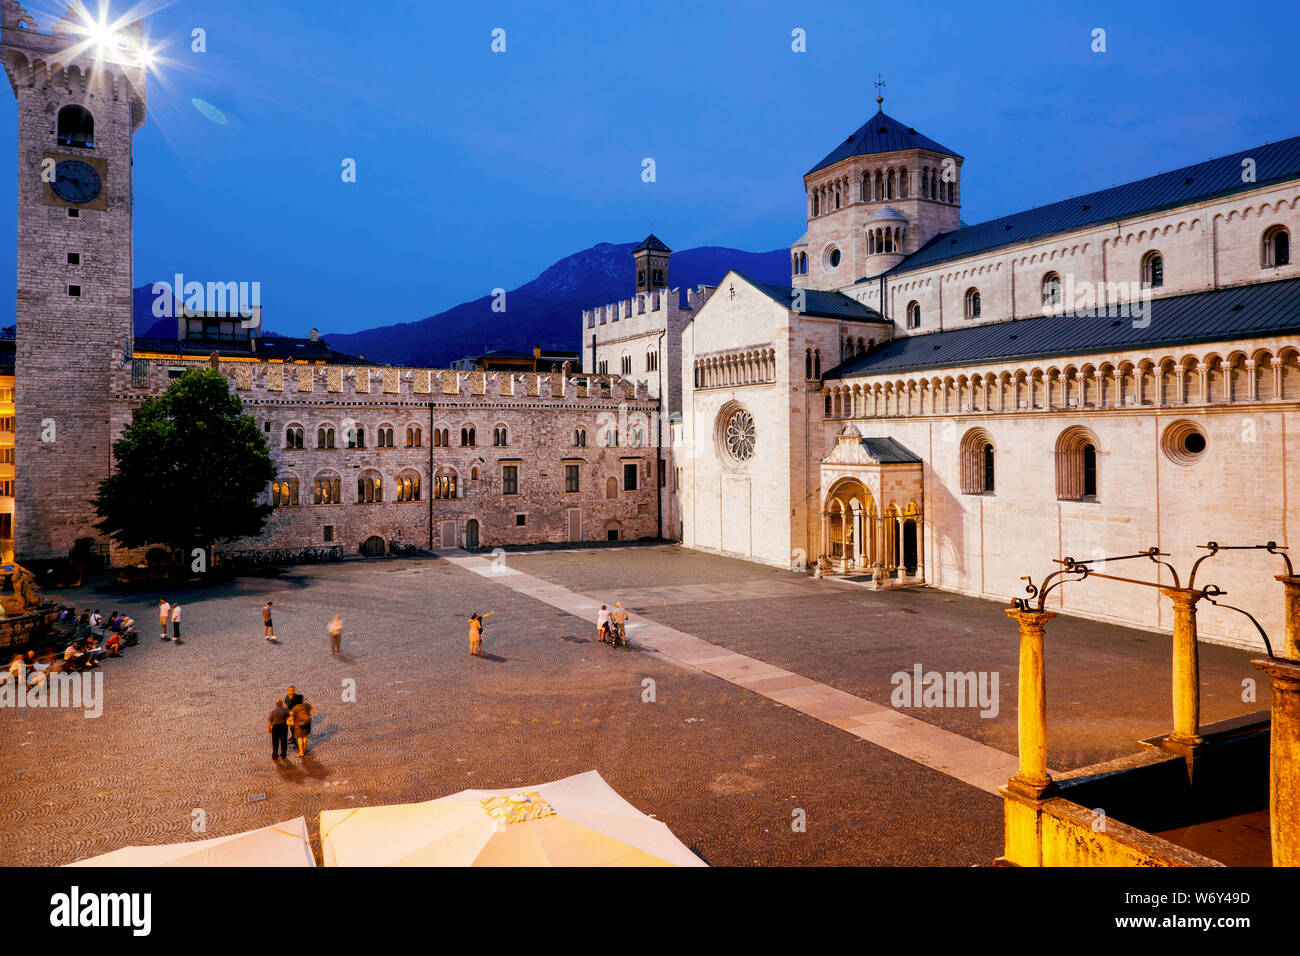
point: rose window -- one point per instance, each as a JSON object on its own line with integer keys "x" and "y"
{"x": 739, "y": 435}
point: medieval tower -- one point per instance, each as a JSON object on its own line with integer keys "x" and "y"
{"x": 81, "y": 97}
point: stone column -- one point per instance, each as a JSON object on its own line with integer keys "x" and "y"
{"x": 1276, "y": 366}
{"x": 1252, "y": 380}
{"x": 1180, "y": 385}
{"x": 1291, "y": 614}
{"x": 857, "y": 539}
{"x": 1284, "y": 761}
{"x": 1032, "y": 779}
{"x": 826, "y": 534}
{"x": 1186, "y": 673}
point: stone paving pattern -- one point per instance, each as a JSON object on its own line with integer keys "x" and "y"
{"x": 724, "y": 767}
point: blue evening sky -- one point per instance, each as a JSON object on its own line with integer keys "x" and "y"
{"x": 478, "y": 169}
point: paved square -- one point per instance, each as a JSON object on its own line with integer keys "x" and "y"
{"x": 771, "y": 696}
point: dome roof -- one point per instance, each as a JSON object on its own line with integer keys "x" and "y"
{"x": 886, "y": 214}
{"x": 881, "y": 134}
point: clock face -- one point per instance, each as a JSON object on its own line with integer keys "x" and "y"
{"x": 76, "y": 182}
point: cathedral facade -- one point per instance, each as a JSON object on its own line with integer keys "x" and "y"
{"x": 963, "y": 406}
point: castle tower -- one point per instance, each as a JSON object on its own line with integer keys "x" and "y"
{"x": 651, "y": 264}
{"x": 81, "y": 96}
{"x": 876, "y": 198}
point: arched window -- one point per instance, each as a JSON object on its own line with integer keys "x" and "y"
{"x": 803, "y": 263}
{"x": 293, "y": 437}
{"x": 76, "y": 127}
{"x": 1153, "y": 270}
{"x": 972, "y": 303}
{"x": 828, "y": 404}
{"x": 1051, "y": 290}
{"x": 580, "y": 437}
{"x": 914, "y": 315}
{"x": 817, "y": 363}
{"x": 444, "y": 483}
{"x": 414, "y": 436}
{"x": 807, "y": 363}
{"x": 370, "y": 489}
{"x": 408, "y": 487}
{"x": 925, "y": 183}
{"x": 284, "y": 492}
{"x": 356, "y": 436}
{"x": 611, "y": 438}
{"x": 326, "y": 490}
{"x": 473, "y": 473}
{"x": 977, "y": 463}
{"x": 385, "y": 437}
{"x": 499, "y": 436}
{"x": 950, "y": 188}
{"x": 1076, "y": 465}
{"x": 611, "y": 487}
{"x": 889, "y": 186}
{"x": 467, "y": 437}
{"x": 902, "y": 184}
{"x": 1277, "y": 247}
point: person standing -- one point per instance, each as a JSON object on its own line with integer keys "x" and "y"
{"x": 268, "y": 629}
{"x": 602, "y": 624}
{"x": 164, "y": 614}
{"x": 277, "y": 725}
{"x": 336, "y": 635}
{"x": 301, "y": 715}
{"x": 292, "y": 698}
{"x": 476, "y": 633}
{"x": 176, "y": 623}
{"x": 619, "y": 622}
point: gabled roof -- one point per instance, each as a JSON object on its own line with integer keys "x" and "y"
{"x": 834, "y": 305}
{"x": 653, "y": 243}
{"x": 1266, "y": 308}
{"x": 889, "y": 452}
{"x": 1273, "y": 162}
{"x": 880, "y": 134}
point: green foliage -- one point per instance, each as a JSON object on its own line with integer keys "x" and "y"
{"x": 188, "y": 470}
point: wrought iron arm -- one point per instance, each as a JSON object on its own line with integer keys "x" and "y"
{"x": 1214, "y": 548}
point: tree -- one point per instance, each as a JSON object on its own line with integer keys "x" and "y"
{"x": 188, "y": 469}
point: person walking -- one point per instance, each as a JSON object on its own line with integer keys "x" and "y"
{"x": 602, "y": 624}
{"x": 476, "y": 633}
{"x": 292, "y": 698}
{"x": 268, "y": 629}
{"x": 301, "y": 716}
{"x": 619, "y": 621}
{"x": 336, "y": 635}
{"x": 277, "y": 725}
{"x": 176, "y": 623}
{"x": 164, "y": 614}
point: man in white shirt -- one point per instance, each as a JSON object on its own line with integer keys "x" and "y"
{"x": 164, "y": 612}
{"x": 619, "y": 621}
{"x": 176, "y": 623}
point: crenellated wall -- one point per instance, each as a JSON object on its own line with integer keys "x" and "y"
{"x": 538, "y": 419}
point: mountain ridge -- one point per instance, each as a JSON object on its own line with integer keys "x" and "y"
{"x": 545, "y": 311}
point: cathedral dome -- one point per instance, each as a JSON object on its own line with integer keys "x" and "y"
{"x": 881, "y": 134}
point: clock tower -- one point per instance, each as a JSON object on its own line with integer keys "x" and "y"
{"x": 81, "y": 97}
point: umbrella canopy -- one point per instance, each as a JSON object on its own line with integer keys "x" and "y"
{"x": 282, "y": 844}
{"x": 577, "y": 821}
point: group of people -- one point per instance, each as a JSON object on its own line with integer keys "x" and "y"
{"x": 611, "y": 626}
{"x": 291, "y": 716}
{"x": 169, "y": 612}
{"x": 87, "y": 639}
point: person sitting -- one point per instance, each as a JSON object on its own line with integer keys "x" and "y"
{"x": 93, "y": 652}
{"x": 96, "y": 619}
{"x": 114, "y": 644}
{"x": 72, "y": 657}
{"x": 18, "y": 669}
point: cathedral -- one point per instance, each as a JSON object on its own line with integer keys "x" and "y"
{"x": 926, "y": 403}
{"x": 962, "y": 406}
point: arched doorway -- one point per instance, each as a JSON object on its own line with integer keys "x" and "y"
{"x": 848, "y": 519}
{"x": 373, "y": 547}
{"x": 471, "y": 533}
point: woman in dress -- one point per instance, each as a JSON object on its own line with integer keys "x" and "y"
{"x": 301, "y": 717}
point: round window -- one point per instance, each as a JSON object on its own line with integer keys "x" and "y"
{"x": 1184, "y": 442}
{"x": 834, "y": 258}
{"x": 738, "y": 435}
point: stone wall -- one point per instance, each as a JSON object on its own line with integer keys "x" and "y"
{"x": 539, "y": 412}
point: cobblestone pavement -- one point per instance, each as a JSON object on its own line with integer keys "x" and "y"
{"x": 1107, "y": 687}
{"x": 182, "y": 735}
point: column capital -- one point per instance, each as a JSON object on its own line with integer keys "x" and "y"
{"x": 1285, "y": 674}
{"x": 1182, "y": 597}
{"x": 1033, "y": 620}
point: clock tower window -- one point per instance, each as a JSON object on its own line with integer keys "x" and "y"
{"x": 76, "y": 127}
